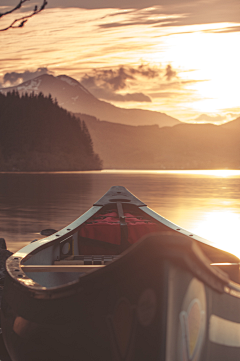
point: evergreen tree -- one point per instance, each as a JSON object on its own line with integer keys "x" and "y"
{"x": 36, "y": 134}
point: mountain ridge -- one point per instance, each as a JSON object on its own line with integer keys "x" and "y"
{"x": 183, "y": 146}
{"x": 74, "y": 97}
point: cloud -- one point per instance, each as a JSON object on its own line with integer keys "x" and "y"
{"x": 175, "y": 13}
{"x": 109, "y": 95}
{"x": 165, "y": 95}
{"x": 170, "y": 73}
{"x": 127, "y": 97}
{"x": 210, "y": 118}
{"x": 117, "y": 79}
{"x": 228, "y": 29}
{"x": 14, "y": 78}
{"x": 167, "y": 21}
{"x": 96, "y": 4}
{"x": 189, "y": 12}
{"x": 150, "y": 16}
{"x": 232, "y": 116}
{"x": 113, "y": 84}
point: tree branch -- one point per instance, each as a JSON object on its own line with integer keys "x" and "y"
{"x": 16, "y": 8}
{"x": 21, "y": 21}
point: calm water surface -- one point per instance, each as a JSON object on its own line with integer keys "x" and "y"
{"x": 206, "y": 203}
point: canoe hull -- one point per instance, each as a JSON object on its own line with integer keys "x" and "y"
{"x": 98, "y": 320}
{"x": 147, "y": 305}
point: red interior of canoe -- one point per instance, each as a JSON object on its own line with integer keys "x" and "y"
{"x": 102, "y": 233}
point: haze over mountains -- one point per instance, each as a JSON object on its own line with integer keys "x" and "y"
{"x": 183, "y": 146}
{"x": 72, "y": 96}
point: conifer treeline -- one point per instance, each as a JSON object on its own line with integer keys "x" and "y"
{"x": 37, "y": 135}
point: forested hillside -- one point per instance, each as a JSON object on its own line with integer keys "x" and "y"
{"x": 37, "y": 135}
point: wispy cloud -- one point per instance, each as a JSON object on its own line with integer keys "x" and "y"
{"x": 234, "y": 115}
{"x": 165, "y": 21}
{"x": 116, "y": 79}
{"x": 107, "y": 95}
{"x": 15, "y": 78}
{"x": 199, "y": 11}
{"x": 170, "y": 73}
{"x": 216, "y": 118}
{"x": 117, "y": 4}
{"x": 107, "y": 83}
{"x": 150, "y": 16}
{"x": 227, "y": 29}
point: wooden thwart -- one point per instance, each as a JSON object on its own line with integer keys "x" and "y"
{"x": 60, "y": 268}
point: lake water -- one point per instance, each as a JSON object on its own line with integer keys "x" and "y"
{"x": 206, "y": 203}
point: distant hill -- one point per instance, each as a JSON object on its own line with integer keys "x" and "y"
{"x": 37, "y": 135}
{"x": 183, "y": 146}
{"x": 72, "y": 96}
{"x": 234, "y": 124}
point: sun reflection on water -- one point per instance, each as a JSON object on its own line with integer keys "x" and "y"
{"x": 222, "y": 228}
{"x": 204, "y": 172}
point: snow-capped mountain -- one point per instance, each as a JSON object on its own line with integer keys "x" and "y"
{"x": 72, "y": 96}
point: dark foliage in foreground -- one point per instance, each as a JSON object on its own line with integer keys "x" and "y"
{"x": 37, "y": 135}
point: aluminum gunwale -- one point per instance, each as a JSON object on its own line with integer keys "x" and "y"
{"x": 13, "y": 264}
{"x": 58, "y": 236}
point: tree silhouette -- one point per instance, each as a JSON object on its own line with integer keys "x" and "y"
{"x": 38, "y": 135}
{"x": 19, "y": 22}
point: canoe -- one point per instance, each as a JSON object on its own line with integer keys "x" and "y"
{"x": 121, "y": 283}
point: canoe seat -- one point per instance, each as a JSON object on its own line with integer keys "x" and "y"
{"x": 73, "y": 264}
{"x": 87, "y": 260}
{"x": 60, "y": 268}
{"x": 232, "y": 269}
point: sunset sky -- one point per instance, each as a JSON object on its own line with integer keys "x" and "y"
{"x": 177, "y": 57}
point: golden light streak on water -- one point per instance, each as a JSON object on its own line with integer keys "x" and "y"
{"x": 207, "y": 172}
{"x": 222, "y": 228}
